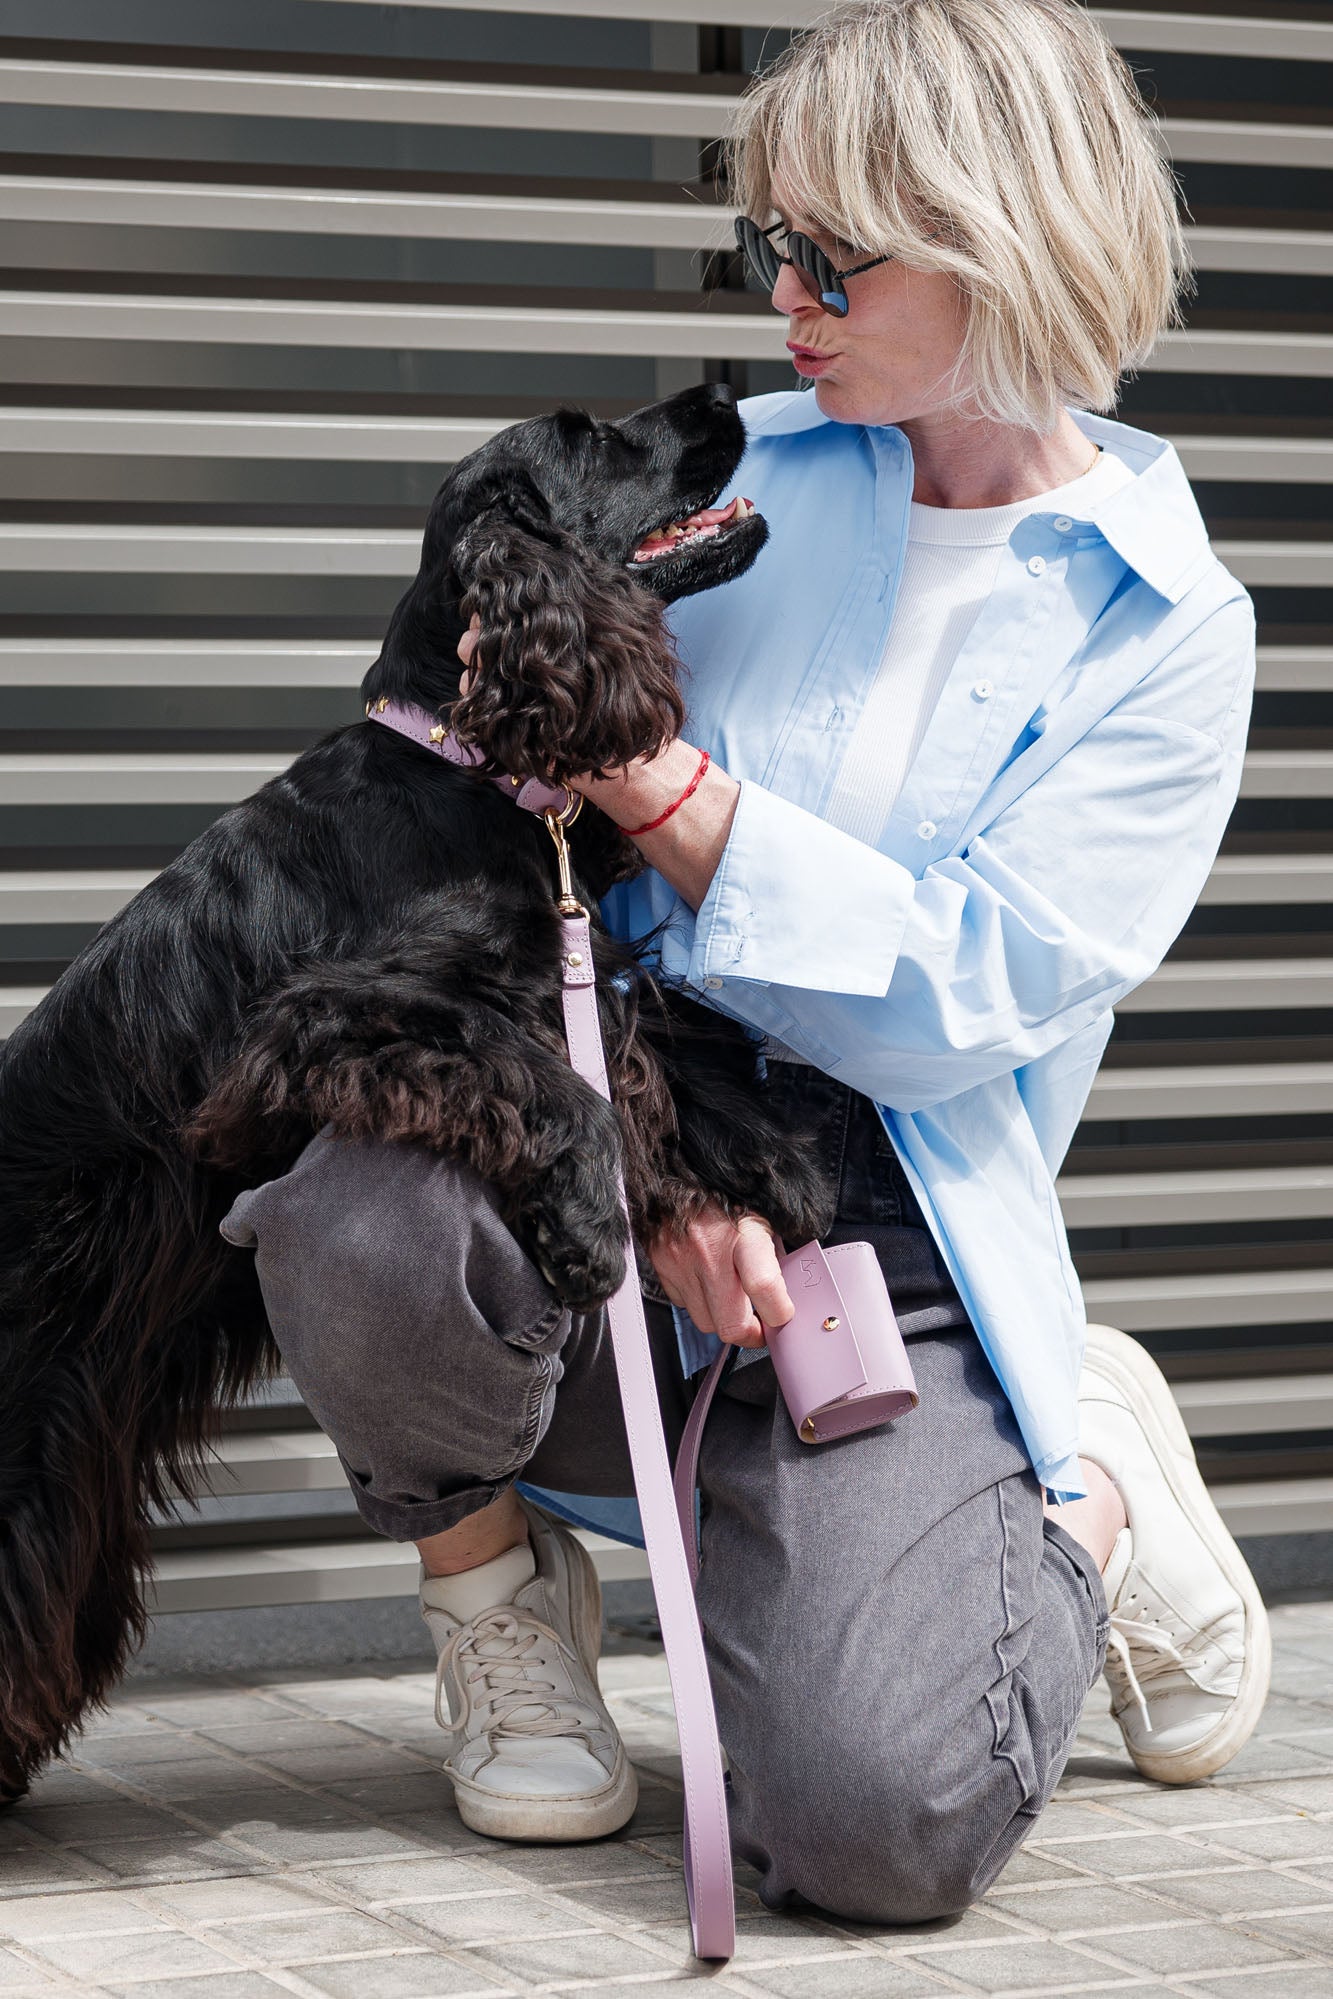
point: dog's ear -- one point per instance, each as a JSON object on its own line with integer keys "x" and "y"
{"x": 574, "y": 669}
{"x": 506, "y": 496}
{"x": 418, "y": 660}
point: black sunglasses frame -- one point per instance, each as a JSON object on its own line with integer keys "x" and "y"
{"x": 811, "y": 264}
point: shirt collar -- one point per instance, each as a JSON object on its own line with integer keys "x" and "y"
{"x": 1154, "y": 524}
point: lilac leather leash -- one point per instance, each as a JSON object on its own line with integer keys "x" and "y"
{"x": 667, "y": 1513}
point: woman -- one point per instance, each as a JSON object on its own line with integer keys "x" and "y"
{"x": 976, "y": 719}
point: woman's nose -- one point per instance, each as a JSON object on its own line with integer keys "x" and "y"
{"x": 789, "y": 294}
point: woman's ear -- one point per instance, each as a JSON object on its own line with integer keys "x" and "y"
{"x": 573, "y": 669}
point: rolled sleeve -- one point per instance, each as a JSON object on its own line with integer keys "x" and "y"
{"x": 796, "y": 902}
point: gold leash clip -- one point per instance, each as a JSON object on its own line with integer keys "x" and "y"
{"x": 556, "y": 822}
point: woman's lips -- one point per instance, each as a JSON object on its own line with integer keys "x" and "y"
{"x": 807, "y": 361}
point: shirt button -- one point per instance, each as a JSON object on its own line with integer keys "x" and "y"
{"x": 1062, "y": 524}
{"x": 982, "y": 690}
{"x": 1036, "y": 565}
{"x": 713, "y": 985}
{"x": 927, "y": 829}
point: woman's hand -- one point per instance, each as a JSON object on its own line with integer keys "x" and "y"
{"x": 725, "y": 1274}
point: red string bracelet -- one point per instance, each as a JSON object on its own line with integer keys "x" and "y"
{"x": 633, "y": 832}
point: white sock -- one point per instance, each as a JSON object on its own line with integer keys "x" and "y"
{"x": 473, "y": 1590}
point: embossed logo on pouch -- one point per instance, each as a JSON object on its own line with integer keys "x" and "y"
{"x": 811, "y": 1269}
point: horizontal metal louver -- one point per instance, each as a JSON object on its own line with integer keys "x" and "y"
{"x": 269, "y": 269}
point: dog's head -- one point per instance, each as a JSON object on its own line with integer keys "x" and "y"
{"x": 567, "y": 535}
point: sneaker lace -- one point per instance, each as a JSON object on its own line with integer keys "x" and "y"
{"x": 503, "y": 1653}
{"x": 1139, "y": 1652}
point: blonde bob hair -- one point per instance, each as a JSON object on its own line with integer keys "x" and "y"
{"x": 1002, "y": 141}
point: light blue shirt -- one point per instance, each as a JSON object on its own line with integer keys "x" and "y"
{"x": 1051, "y": 838}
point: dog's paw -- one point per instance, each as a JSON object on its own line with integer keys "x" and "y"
{"x": 580, "y": 1276}
{"x": 575, "y": 1231}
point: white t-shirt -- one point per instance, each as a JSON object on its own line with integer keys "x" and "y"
{"x": 949, "y": 570}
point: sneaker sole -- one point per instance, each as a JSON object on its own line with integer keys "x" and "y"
{"x": 1131, "y": 1369}
{"x": 504, "y": 1815}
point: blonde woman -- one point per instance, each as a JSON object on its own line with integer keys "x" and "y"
{"x": 976, "y": 719}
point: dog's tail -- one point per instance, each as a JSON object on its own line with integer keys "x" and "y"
{"x": 123, "y": 1321}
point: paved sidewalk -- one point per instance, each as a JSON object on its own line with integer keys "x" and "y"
{"x": 234, "y": 1838}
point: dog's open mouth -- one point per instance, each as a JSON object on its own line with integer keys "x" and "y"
{"x": 704, "y": 525}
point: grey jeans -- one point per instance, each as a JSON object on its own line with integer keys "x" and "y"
{"x": 900, "y": 1644}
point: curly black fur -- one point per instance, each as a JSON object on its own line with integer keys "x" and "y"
{"x": 366, "y": 943}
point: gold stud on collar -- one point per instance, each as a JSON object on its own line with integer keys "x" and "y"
{"x": 437, "y": 733}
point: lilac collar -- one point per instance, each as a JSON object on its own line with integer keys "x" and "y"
{"x": 532, "y": 793}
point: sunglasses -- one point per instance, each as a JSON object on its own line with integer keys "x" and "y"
{"x": 812, "y": 267}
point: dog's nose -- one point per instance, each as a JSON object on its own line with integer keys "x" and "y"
{"x": 719, "y": 392}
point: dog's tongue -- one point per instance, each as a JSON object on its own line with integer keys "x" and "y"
{"x": 708, "y": 517}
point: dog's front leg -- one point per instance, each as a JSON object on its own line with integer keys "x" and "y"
{"x": 376, "y": 1060}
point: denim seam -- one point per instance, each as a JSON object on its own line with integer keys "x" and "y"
{"x": 532, "y": 1420}
{"x": 1002, "y": 1706}
{"x": 526, "y": 1337}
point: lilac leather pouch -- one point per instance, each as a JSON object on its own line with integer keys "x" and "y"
{"x": 841, "y": 1362}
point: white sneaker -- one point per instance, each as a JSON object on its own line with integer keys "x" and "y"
{"x": 1190, "y": 1653}
{"x": 533, "y": 1752}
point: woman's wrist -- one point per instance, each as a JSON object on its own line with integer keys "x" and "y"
{"x": 649, "y": 786}
{"x": 687, "y": 844}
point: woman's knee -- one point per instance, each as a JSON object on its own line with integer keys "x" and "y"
{"x": 885, "y": 1837}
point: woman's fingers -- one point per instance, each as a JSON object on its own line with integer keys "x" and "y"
{"x": 720, "y": 1273}
{"x": 467, "y": 645}
{"x": 756, "y": 1261}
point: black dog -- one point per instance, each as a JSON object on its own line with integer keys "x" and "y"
{"x": 368, "y": 943}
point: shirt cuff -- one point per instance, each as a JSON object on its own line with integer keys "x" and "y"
{"x": 796, "y": 902}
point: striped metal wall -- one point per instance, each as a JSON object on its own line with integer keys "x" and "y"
{"x": 273, "y": 264}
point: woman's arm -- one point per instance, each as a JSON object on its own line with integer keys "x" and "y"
{"x": 686, "y": 849}
{"x": 1063, "y": 898}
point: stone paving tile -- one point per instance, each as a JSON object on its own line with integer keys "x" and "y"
{"x": 407, "y": 1975}
{"x": 1027, "y": 1966}
{"x": 236, "y": 1838}
{"x": 384, "y": 1882}
{"x": 312, "y": 1932}
{"x": 18, "y": 1976}
{"x": 494, "y": 1917}
{"x": 203, "y": 1903}
{"x": 144, "y": 1954}
{"x": 1296, "y": 1840}
{"x": 1083, "y": 1910}
{"x": 1297, "y": 1981}
{"x": 219, "y": 1985}
{"x": 1248, "y": 1892}
{"x": 1187, "y": 1950}
{"x": 1147, "y": 1855}
{"x": 589, "y": 1954}
{"x": 420, "y": 1791}
{"x": 860, "y": 1977}
{"x": 25, "y": 1870}
{"x": 187, "y": 1856}
{"x": 97, "y": 1912}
